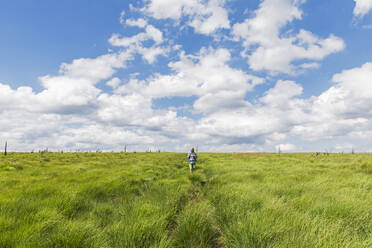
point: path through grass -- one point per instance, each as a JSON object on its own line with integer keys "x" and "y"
{"x": 150, "y": 200}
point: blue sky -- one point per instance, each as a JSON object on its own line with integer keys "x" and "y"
{"x": 228, "y": 75}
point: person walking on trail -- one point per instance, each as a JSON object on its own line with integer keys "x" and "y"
{"x": 192, "y": 159}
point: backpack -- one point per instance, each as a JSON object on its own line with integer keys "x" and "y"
{"x": 192, "y": 156}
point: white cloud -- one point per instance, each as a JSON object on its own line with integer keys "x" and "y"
{"x": 350, "y": 97}
{"x": 72, "y": 91}
{"x": 95, "y": 69}
{"x": 273, "y": 115}
{"x": 116, "y": 119}
{"x": 356, "y": 80}
{"x": 286, "y": 147}
{"x": 362, "y": 7}
{"x": 267, "y": 48}
{"x": 343, "y": 108}
{"x": 16, "y": 100}
{"x": 313, "y": 65}
{"x": 327, "y": 128}
{"x": 206, "y": 75}
{"x": 66, "y": 95}
{"x": 71, "y": 112}
{"x": 162, "y": 9}
{"x": 26, "y": 131}
{"x": 141, "y": 23}
{"x": 151, "y": 33}
{"x": 225, "y": 99}
{"x": 135, "y": 43}
{"x": 150, "y": 54}
{"x": 210, "y": 18}
{"x": 114, "y": 82}
{"x": 281, "y": 93}
{"x": 135, "y": 111}
{"x": 205, "y": 17}
{"x": 131, "y": 109}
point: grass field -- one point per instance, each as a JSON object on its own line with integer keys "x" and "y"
{"x": 151, "y": 200}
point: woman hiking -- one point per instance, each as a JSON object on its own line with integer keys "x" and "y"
{"x": 192, "y": 159}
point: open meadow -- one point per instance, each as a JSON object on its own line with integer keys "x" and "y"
{"x": 151, "y": 200}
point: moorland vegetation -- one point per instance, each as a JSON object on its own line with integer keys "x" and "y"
{"x": 151, "y": 200}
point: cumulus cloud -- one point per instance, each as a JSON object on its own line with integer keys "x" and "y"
{"x": 94, "y": 69}
{"x": 343, "y": 110}
{"x": 210, "y": 18}
{"x": 141, "y": 23}
{"x": 114, "y": 82}
{"x": 206, "y": 75}
{"x": 169, "y": 8}
{"x": 71, "y": 110}
{"x": 76, "y": 112}
{"x": 205, "y": 17}
{"x": 151, "y": 33}
{"x": 136, "y": 42}
{"x": 281, "y": 93}
{"x": 150, "y": 54}
{"x": 272, "y": 115}
{"x": 72, "y": 91}
{"x": 128, "y": 117}
{"x": 350, "y": 97}
{"x": 362, "y": 7}
{"x": 266, "y": 46}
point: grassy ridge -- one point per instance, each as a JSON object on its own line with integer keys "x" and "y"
{"x": 150, "y": 200}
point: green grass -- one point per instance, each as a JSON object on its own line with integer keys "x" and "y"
{"x": 151, "y": 200}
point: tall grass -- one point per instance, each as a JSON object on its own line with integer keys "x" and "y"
{"x": 150, "y": 200}
{"x": 293, "y": 200}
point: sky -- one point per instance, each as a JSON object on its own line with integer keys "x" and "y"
{"x": 222, "y": 75}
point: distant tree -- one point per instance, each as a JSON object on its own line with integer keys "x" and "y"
{"x": 6, "y": 147}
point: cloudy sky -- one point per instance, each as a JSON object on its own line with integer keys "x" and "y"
{"x": 226, "y": 75}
